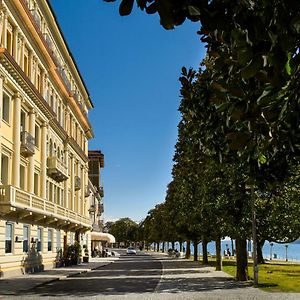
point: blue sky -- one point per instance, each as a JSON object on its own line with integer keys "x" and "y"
{"x": 131, "y": 67}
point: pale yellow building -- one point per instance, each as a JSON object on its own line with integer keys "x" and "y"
{"x": 44, "y": 133}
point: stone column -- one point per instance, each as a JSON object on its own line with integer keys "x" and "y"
{"x": 1, "y": 98}
{"x": 44, "y": 129}
{"x": 72, "y": 180}
{"x": 66, "y": 183}
{"x": 15, "y": 43}
{"x": 16, "y": 138}
{"x": 4, "y": 27}
{"x": 30, "y": 65}
{"x": 82, "y": 191}
{"x": 22, "y": 53}
{"x": 30, "y": 180}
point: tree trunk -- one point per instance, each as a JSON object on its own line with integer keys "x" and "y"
{"x": 157, "y": 246}
{"x": 180, "y": 246}
{"x": 195, "y": 243}
{"x": 173, "y": 245}
{"x": 188, "y": 249}
{"x": 260, "y": 258}
{"x": 241, "y": 259}
{"x": 163, "y": 247}
{"x": 204, "y": 251}
{"x": 218, "y": 255}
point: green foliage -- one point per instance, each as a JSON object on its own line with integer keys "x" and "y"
{"x": 73, "y": 253}
{"x": 124, "y": 230}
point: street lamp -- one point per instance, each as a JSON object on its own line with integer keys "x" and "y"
{"x": 271, "y": 253}
{"x": 286, "y": 249}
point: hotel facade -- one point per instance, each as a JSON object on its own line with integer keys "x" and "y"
{"x": 44, "y": 133}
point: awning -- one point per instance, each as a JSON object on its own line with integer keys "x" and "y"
{"x": 102, "y": 236}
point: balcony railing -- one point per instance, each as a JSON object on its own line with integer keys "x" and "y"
{"x": 27, "y": 144}
{"x": 64, "y": 77}
{"x": 57, "y": 169}
{"x": 36, "y": 18}
{"x": 77, "y": 183}
{"x": 48, "y": 41}
{"x": 11, "y": 196}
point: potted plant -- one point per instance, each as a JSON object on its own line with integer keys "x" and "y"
{"x": 85, "y": 258}
{"x": 73, "y": 254}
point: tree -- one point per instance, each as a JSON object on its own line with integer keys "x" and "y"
{"x": 124, "y": 230}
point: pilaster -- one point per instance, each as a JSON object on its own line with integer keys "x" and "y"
{"x": 30, "y": 180}
{"x": 15, "y": 43}
{"x": 44, "y": 129}
{"x": 16, "y": 134}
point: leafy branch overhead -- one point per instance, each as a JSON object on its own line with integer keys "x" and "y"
{"x": 253, "y": 59}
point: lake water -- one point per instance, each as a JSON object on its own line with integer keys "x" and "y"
{"x": 279, "y": 251}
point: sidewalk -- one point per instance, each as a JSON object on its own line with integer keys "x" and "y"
{"x": 17, "y": 285}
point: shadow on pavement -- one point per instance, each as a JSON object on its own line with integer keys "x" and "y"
{"x": 144, "y": 277}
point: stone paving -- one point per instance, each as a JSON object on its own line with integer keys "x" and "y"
{"x": 180, "y": 279}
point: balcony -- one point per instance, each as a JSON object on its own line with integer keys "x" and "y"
{"x": 87, "y": 192}
{"x": 57, "y": 169}
{"x": 64, "y": 78}
{"x": 37, "y": 18}
{"x": 28, "y": 208}
{"x": 100, "y": 209}
{"x": 92, "y": 208}
{"x": 48, "y": 41}
{"x": 27, "y": 144}
{"x": 77, "y": 183}
{"x": 101, "y": 191}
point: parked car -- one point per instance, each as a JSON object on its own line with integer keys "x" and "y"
{"x": 131, "y": 250}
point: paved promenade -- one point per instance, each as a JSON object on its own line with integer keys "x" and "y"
{"x": 109, "y": 278}
{"x": 17, "y": 285}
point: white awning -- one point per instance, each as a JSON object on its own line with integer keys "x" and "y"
{"x": 102, "y": 236}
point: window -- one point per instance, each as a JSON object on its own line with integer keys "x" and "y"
{"x": 36, "y": 184}
{"x": 26, "y": 62}
{"x": 4, "y": 169}
{"x": 8, "y": 237}
{"x": 50, "y": 192}
{"x": 39, "y": 80}
{"x": 5, "y": 107}
{"x": 49, "y": 239}
{"x": 23, "y": 121}
{"x": 37, "y": 136}
{"x": 25, "y": 238}
{"x": 39, "y": 239}
{"x": 58, "y": 240}
{"x": 22, "y": 177}
{"x": 59, "y": 114}
{"x": 9, "y": 39}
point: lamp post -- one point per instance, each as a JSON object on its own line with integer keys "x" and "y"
{"x": 286, "y": 252}
{"x": 271, "y": 252}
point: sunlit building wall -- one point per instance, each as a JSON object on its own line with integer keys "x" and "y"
{"x": 44, "y": 133}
